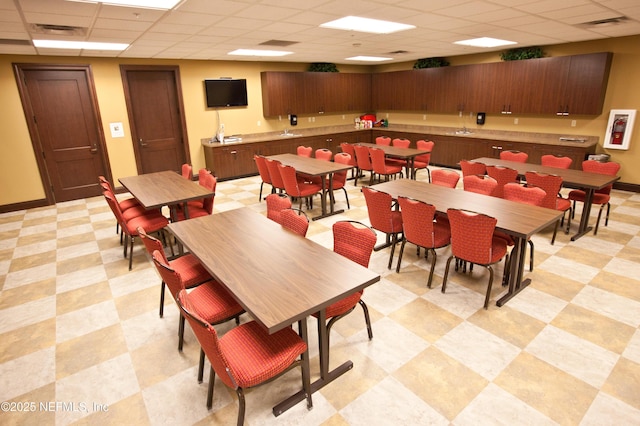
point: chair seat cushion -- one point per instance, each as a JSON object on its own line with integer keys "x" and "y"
{"x": 506, "y": 237}
{"x": 213, "y": 303}
{"x": 150, "y": 223}
{"x": 129, "y": 203}
{"x": 342, "y": 306}
{"x": 420, "y": 164}
{"x": 193, "y": 213}
{"x": 254, "y": 356}
{"x": 190, "y": 269}
{"x": 562, "y": 204}
{"x": 578, "y": 195}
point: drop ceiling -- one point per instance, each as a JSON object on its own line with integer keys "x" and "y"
{"x": 209, "y": 29}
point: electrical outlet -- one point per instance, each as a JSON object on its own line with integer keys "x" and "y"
{"x": 459, "y": 113}
{"x": 343, "y": 116}
{"x": 387, "y": 115}
{"x": 313, "y": 119}
{"x": 515, "y": 121}
{"x": 309, "y": 118}
{"x": 424, "y": 116}
{"x": 279, "y": 118}
{"x": 259, "y": 123}
{"x": 573, "y": 123}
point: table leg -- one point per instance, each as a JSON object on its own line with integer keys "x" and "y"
{"x": 586, "y": 212}
{"x": 332, "y": 211}
{"x": 516, "y": 284}
{"x": 326, "y": 376}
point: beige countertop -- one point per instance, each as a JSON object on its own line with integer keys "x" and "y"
{"x": 500, "y": 135}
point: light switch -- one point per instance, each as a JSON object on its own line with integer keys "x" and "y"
{"x": 117, "y": 131}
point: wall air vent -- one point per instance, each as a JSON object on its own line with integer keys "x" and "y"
{"x": 63, "y": 30}
{"x": 398, "y": 52}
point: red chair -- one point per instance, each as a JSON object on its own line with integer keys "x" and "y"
{"x": 347, "y": 148}
{"x": 151, "y": 222}
{"x": 472, "y": 168}
{"x": 304, "y": 151}
{"x": 324, "y": 154}
{"x": 419, "y": 228}
{"x": 383, "y": 218}
{"x": 298, "y": 189}
{"x": 401, "y": 143}
{"x": 512, "y": 155}
{"x": 124, "y": 204}
{"x": 246, "y": 356}
{"x": 556, "y": 161}
{"x": 355, "y": 241}
{"x": 601, "y": 196}
{"x": 261, "y": 164}
{"x": 188, "y": 266}
{"x": 364, "y": 162}
{"x": 295, "y": 220}
{"x": 444, "y": 177}
{"x": 275, "y": 204}
{"x": 422, "y": 161}
{"x": 340, "y": 178}
{"x": 551, "y": 185}
{"x": 383, "y": 140}
{"x": 473, "y": 240}
{"x": 503, "y": 176}
{"x": 381, "y": 167}
{"x": 274, "y": 173}
{"x": 480, "y": 184}
{"x": 202, "y": 207}
{"x": 187, "y": 171}
{"x": 527, "y": 195}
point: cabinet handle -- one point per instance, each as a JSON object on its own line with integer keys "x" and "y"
{"x": 142, "y": 143}
{"x": 233, "y": 152}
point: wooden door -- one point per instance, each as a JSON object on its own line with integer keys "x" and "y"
{"x": 64, "y": 124}
{"x": 156, "y": 117}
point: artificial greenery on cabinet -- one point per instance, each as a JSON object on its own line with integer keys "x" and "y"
{"x": 435, "y": 62}
{"x": 322, "y": 67}
{"x": 521, "y": 53}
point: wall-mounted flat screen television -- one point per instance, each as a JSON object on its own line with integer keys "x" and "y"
{"x": 226, "y": 92}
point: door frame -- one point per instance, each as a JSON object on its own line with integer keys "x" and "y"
{"x": 18, "y": 69}
{"x": 175, "y": 70}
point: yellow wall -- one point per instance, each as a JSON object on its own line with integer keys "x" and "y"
{"x": 18, "y": 160}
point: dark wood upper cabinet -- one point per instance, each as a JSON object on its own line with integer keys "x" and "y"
{"x": 559, "y": 85}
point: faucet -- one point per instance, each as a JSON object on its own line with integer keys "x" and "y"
{"x": 285, "y": 131}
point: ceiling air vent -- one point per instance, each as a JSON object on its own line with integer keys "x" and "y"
{"x": 12, "y": 42}
{"x": 63, "y": 30}
{"x": 600, "y": 23}
{"x": 279, "y": 43}
{"x": 398, "y": 52}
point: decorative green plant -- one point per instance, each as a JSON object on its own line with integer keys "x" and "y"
{"x": 522, "y": 53}
{"x": 322, "y": 67}
{"x": 430, "y": 63}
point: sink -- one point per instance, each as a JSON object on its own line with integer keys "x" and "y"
{"x": 289, "y": 134}
{"x": 461, "y": 132}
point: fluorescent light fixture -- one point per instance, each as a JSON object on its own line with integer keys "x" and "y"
{"x": 254, "y": 52}
{"x": 485, "y": 42}
{"x": 368, "y": 58}
{"x": 366, "y": 25}
{"x": 146, "y": 4}
{"x": 88, "y": 45}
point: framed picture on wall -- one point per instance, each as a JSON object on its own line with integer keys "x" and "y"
{"x": 619, "y": 128}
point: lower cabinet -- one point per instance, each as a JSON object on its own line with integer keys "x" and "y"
{"x": 233, "y": 161}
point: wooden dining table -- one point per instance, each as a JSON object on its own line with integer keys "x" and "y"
{"x": 407, "y": 154}
{"x": 518, "y": 220}
{"x": 313, "y": 167}
{"x": 572, "y": 178}
{"x": 278, "y": 276}
{"x": 166, "y": 188}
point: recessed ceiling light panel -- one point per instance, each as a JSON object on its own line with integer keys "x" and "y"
{"x": 145, "y": 4}
{"x": 253, "y": 52}
{"x": 366, "y": 25}
{"x": 87, "y": 45}
{"x": 485, "y": 42}
{"x": 368, "y": 58}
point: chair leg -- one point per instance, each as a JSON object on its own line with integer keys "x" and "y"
{"x": 394, "y": 241}
{"x": 181, "y": 333}
{"x": 433, "y": 265}
{"x": 595, "y": 231}
{"x": 201, "y": 366}
{"x": 404, "y": 241}
{"x": 488, "y": 296}
{"x": 606, "y": 219}
{"x": 212, "y": 377}
{"x": 531, "y": 256}
{"x": 366, "y": 318}
{"x": 260, "y": 195}
{"x": 569, "y": 216}
{"x": 162, "y": 299}
{"x": 446, "y": 273}
{"x": 131, "y": 252}
{"x": 555, "y": 231}
{"x": 241, "y": 406}
{"x": 429, "y": 173}
{"x": 347, "y": 198}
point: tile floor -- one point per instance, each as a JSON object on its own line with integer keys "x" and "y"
{"x": 81, "y": 341}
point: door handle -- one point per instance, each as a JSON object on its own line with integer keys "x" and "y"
{"x": 95, "y": 148}
{"x": 142, "y": 143}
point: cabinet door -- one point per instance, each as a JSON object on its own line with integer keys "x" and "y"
{"x": 320, "y": 92}
{"x": 393, "y": 91}
{"x": 587, "y": 83}
{"x": 354, "y": 92}
{"x": 282, "y": 93}
{"x": 449, "y": 90}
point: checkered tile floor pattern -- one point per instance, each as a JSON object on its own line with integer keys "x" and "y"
{"x": 81, "y": 340}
